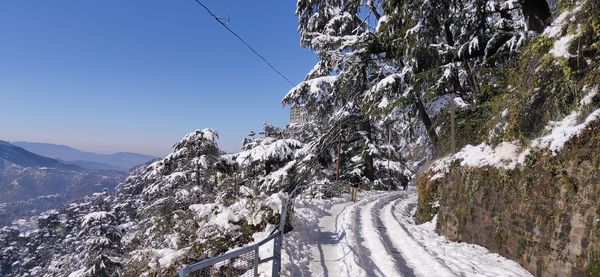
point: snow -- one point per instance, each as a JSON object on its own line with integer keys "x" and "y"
{"x": 225, "y": 218}
{"x": 383, "y": 103}
{"x": 204, "y": 134}
{"x": 482, "y": 155}
{"x": 556, "y": 28}
{"x": 203, "y": 210}
{"x": 95, "y": 216}
{"x": 460, "y": 102}
{"x": 173, "y": 177}
{"x": 372, "y": 241}
{"x": 165, "y": 257}
{"x": 381, "y": 21}
{"x": 269, "y": 149}
{"x": 319, "y": 244}
{"x": 246, "y": 191}
{"x": 278, "y": 175}
{"x": 561, "y": 47}
{"x": 441, "y": 102}
{"x": 560, "y": 132}
{"x": 562, "y": 44}
{"x": 200, "y": 161}
{"x": 275, "y": 201}
{"x": 416, "y": 256}
{"x": 78, "y": 273}
{"x": 414, "y": 30}
{"x": 377, "y": 236}
{"x": 508, "y": 155}
{"x": 316, "y": 88}
{"x": 460, "y": 258}
{"x": 389, "y": 165}
{"x": 563, "y": 131}
{"x": 387, "y": 82}
{"x": 473, "y": 45}
{"x": 21, "y": 222}
{"x": 266, "y": 250}
{"x": 587, "y": 99}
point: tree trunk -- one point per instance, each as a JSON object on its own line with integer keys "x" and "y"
{"x": 368, "y": 158}
{"x": 427, "y": 122}
{"x": 452, "y": 120}
{"x": 472, "y": 81}
{"x": 337, "y": 169}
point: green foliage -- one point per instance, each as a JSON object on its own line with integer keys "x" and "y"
{"x": 593, "y": 269}
{"x": 430, "y": 210}
{"x": 427, "y": 196}
{"x": 498, "y": 222}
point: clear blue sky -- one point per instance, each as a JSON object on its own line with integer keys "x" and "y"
{"x": 137, "y": 75}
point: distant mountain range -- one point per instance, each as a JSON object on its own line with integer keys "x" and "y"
{"x": 121, "y": 161}
{"x": 21, "y": 157}
{"x": 30, "y": 183}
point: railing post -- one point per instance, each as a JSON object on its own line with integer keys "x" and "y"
{"x": 277, "y": 254}
{"x": 256, "y": 261}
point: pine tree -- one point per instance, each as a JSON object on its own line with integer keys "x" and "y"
{"x": 373, "y": 77}
{"x": 343, "y": 93}
{"x": 102, "y": 236}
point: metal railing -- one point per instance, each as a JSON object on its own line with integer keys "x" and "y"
{"x": 244, "y": 261}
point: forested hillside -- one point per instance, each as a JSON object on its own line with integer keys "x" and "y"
{"x": 31, "y": 183}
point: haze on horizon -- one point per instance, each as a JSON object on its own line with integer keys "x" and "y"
{"x": 136, "y": 76}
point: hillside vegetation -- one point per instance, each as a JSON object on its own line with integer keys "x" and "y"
{"x": 524, "y": 181}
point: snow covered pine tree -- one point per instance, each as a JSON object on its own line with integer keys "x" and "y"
{"x": 381, "y": 87}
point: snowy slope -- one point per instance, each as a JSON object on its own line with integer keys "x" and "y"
{"x": 31, "y": 183}
{"x": 377, "y": 237}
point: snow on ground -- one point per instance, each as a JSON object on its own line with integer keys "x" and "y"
{"x": 321, "y": 229}
{"x": 561, "y": 47}
{"x": 377, "y": 236}
{"x": 563, "y": 131}
{"x": 556, "y": 28}
{"x": 508, "y": 155}
{"x": 266, "y": 250}
{"x": 386, "y": 265}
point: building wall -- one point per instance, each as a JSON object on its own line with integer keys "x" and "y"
{"x": 297, "y": 115}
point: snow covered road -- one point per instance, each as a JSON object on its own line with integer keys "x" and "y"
{"x": 377, "y": 237}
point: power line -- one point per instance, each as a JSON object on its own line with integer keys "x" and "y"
{"x": 218, "y": 19}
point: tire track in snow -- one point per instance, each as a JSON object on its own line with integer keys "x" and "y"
{"x": 377, "y": 251}
{"x": 387, "y": 238}
{"x": 364, "y": 253}
{"x": 421, "y": 261}
{"x": 351, "y": 264}
{"x": 332, "y": 253}
{"x": 373, "y": 241}
{"x": 377, "y": 236}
